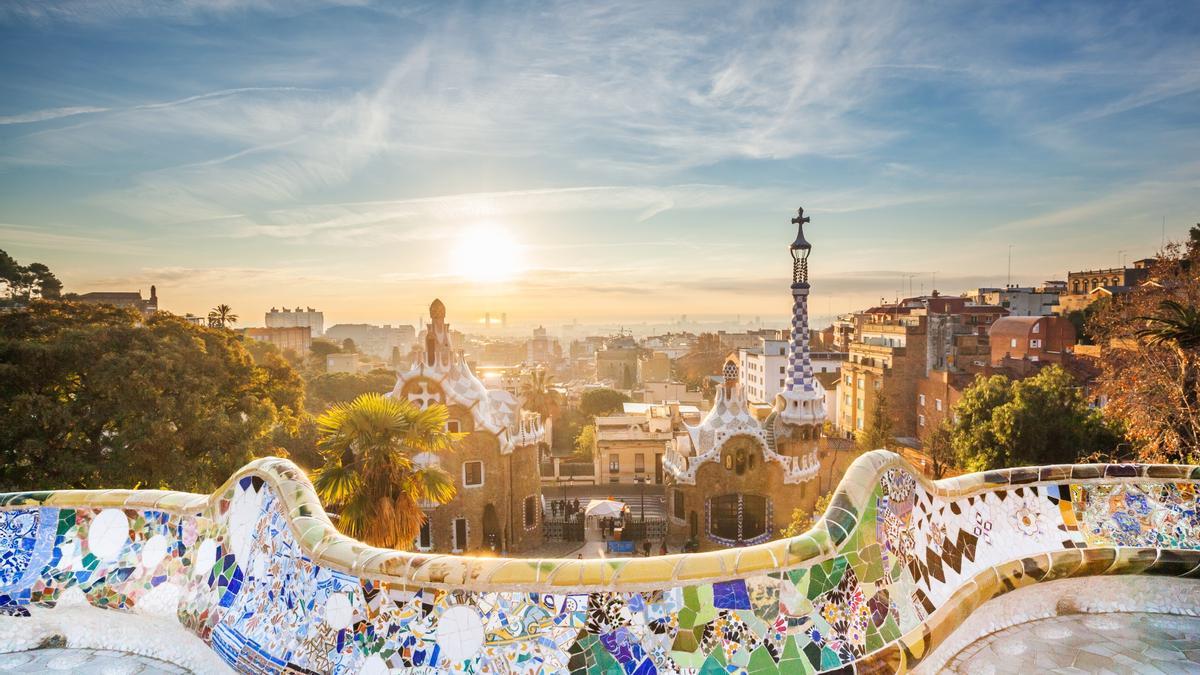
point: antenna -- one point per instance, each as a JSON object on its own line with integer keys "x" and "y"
{"x": 1010, "y": 246}
{"x": 1121, "y": 257}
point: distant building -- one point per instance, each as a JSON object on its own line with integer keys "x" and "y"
{"x": 1018, "y": 300}
{"x": 297, "y": 338}
{"x": 542, "y": 348}
{"x": 341, "y": 363}
{"x": 292, "y": 318}
{"x": 750, "y": 338}
{"x": 378, "y": 341}
{"x": 618, "y": 364}
{"x": 1080, "y": 285}
{"x": 131, "y": 299}
{"x": 654, "y": 367}
{"x": 1031, "y": 338}
{"x": 630, "y": 446}
{"x": 763, "y": 368}
{"x": 666, "y": 392}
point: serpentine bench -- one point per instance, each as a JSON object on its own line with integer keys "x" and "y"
{"x": 896, "y": 564}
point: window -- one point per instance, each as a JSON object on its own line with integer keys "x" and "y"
{"x": 781, "y": 382}
{"x": 1035, "y": 344}
{"x": 781, "y": 371}
{"x": 460, "y": 535}
{"x": 860, "y": 424}
{"x": 860, "y": 402}
{"x": 614, "y": 463}
{"x": 1012, "y": 342}
{"x": 937, "y": 403}
{"x": 1037, "y": 328}
{"x": 425, "y": 538}
{"x": 677, "y": 504}
{"x": 639, "y": 463}
{"x": 472, "y": 474}
{"x": 921, "y": 420}
{"x": 530, "y": 511}
{"x": 453, "y": 426}
{"x": 921, "y": 399}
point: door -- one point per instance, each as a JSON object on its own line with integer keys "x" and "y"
{"x": 658, "y": 468}
{"x": 491, "y": 528}
{"x": 460, "y": 534}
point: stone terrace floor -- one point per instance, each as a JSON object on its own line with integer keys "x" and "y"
{"x": 1133, "y": 642}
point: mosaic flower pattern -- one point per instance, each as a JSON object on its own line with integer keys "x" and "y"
{"x": 243, "y": 582}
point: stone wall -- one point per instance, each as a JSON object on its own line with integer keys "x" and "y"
{"x": 258, "y": 572}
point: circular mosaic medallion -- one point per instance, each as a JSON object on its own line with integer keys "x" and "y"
{"x": 108, "y": 533}
{"x": 460, "y": 633}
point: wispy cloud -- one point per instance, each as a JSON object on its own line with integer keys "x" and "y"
{"x": 49, "y": 114}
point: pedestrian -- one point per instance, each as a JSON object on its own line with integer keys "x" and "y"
{"x": 662, "y": 549}
{"x": 646, "y": 547}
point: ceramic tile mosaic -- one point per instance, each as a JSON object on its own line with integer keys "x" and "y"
{"x": 258, "y": 573}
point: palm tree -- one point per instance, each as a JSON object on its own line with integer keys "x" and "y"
{"x": 1176, "y": 326}
{"x": 537, "y": 394}
{"x": 221, "y": 316}
{"x": 370, "y": 477}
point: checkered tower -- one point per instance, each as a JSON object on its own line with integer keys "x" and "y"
{"x": 803, "y": 400}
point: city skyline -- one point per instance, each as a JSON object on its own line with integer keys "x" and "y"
{"x": 620, "y": 162}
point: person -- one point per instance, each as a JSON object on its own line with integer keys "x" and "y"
{"x": 646, "y": 547}
{"x": 662, "y": 549}
{"x": 579, "y": 556}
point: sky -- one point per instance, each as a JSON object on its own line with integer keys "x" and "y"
{"x": 589, "y": 161}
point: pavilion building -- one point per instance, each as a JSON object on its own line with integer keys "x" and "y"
{"x": 733, "y": 479}
{"x": 494, "y": 464}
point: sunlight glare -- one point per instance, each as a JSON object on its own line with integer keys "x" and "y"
{"x": 487, "y": 253}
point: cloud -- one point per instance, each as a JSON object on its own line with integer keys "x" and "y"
{"x": 49, "y": 114}
{"x": 43, "y": 238}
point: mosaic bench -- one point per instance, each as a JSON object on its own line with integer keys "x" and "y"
{"x": 259, "y": 573}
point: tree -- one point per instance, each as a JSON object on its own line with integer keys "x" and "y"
{"x": 803, "y": 519}
{"x": 95, "y": 396}
{"x": 537, "y": 394}
{"x": 878, "y": 433}
{"x": 601, "y": 401}
{"x": 566, "y": 429}
{"x": 939, "y": 446}
{"x": 319, "y": 350}
{"x": 369, "y": 476}
{"x": 1150, "y": 369}
{"x": 348, "y": 346}
{"x": 326, "y": 389}
{"x": 26, "y": 282}
{"x": 222, "y": 316}
{"x": 585, "y": 443}
{"x": 1042, "y": 419}
{"x": 703, "y": 360}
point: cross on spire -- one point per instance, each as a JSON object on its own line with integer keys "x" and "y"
{"x": 800, "y": 218}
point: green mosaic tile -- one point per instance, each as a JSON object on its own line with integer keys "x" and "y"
{"x": 761, "y": 662}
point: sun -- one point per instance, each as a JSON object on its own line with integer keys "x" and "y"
{"x": 486, "y": 253}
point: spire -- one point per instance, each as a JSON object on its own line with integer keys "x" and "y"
{"x": 799, "y": 371}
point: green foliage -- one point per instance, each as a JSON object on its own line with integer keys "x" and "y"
{"x": 537, "y": 394}
{"x": 348, "y": 346}
{"x": 222, "y": 316}
{"x": 93, "y": 396}
{"x": 369, "y": 476}
{"x": 326, "y": 389}
{"x": 601, "y": 402}
{"x": 878, "y": 433}
{"x": 585, "y": 443}
{"x": 1039, "y": 420}
{"x": 803, "y": 519}
{"x": 939, "y": 446}
{"x": 26, "y": 282}
{"x": 566, "y": 429}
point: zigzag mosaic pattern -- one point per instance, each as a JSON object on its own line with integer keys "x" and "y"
{"x": 255, "y": 573}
